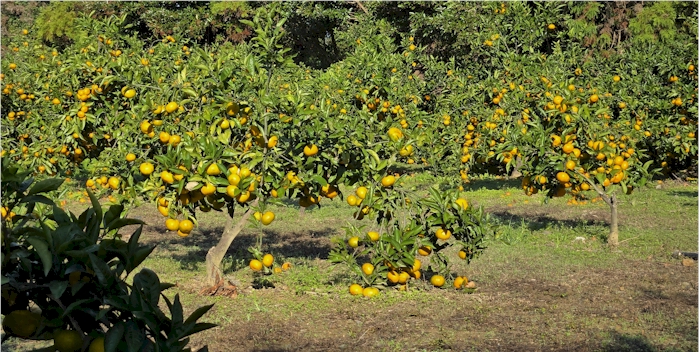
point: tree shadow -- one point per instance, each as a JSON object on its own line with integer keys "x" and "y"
{"x": 537, "y": 220}
{"x": 492, "y": 184}
{"x": 631, "y": 343}
{"x": 310, "y": 244}
{"x": 689, "y": 194}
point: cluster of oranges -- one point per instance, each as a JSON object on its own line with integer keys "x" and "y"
{"x": 267, "y": 264}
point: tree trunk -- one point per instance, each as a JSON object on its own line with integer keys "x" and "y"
{"x": 612, "y": 237}
{"x": 216, "y": 254}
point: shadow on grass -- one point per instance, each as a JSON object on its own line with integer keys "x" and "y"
{"x": 492, "y": 184}
{"x": 539, "y": 221}
{"x": 689, "y": 194}
{"x": 628, "y": 343}
{"x": 308, "y": 244}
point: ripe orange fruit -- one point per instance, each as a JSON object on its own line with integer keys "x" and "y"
{"x": 163, "y": 211}
{"x": 208, "y": 189}
{"x": 437, "y": 280}
{"x": 130, "y": 157}
{"x": 167, "y": 177}
{"x": 146, "y": 127}
{"x": 354, "y": 242}
{"x": 234, "y": 179}
{"x": 186, "y": 226}
{"x": 172, "y": 224}
{"x": 459, "y": 282}
{"x": 256, "y": 265}
{"x": 171, "y": 107}
{"x": 231, "y": 191}
{"x": 268, "y": 260}
{"x": 213, "y": 170}
{"x": 355, "y": 289}
{"x": 243, "y": 196}
{"x": 267, "y": 218}
{"x": 563, "y": 177}
{"x": 310, "y": 150}
{"x": 462, "y": 203}
{"x": 175, "y": 140}
{"x": 146, "y": 168}
{"x": 570, "y": 164}
{"x": 443, "y": 234}
{"x": 395, "y": 134}
{"x": 593, "y": 98}
{"x": 370, "y": 292}
{"x": 388, "y": 181}
{"x": 361, "y": 192}
{"x": 424, "y": 251}
{"x": 286, "y": 266}
{"x": 367, "y": 268}
{"x": 164, "y": 137}
{"x": 373, "y": 236}
{"x": 130, "y": 93}
{"x": 462, "y": 254}
{"x": 403, "y": 277}
{"x": 392, "y": 276}
{"x": 113, "y": 182}
{"x": 416, "y": 265}
{"x": 272, "y": 141}
{"x": 568, "y": 148}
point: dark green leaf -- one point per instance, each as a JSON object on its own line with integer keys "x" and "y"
{"x": 37, "y": 199}
{"x": 74, "y": 305}
{"x": 58, "y": 287}
{"x": 44, "y": 186}
{"x": 198, "y": 313}
{"x": 42, "y": 249}
{"x": 95, "y": 205}
{"x": 100, "y": 268}
{"x": 119, "y": 223}
{"x": 198, "y": 328}
{"x": 134, "y": 336}
{"x": 114, "y": 335}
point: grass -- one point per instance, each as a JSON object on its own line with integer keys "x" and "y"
{"x": 540, "y": 286}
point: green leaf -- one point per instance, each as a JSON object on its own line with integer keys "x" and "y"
{"x": 100, "y": 268}
{"x": 44, "y": 186}
{"x": 199, "y": 327}
{"x": 37, "y": 199}
{"x": 114, "y": 336}
{"x": 198, "y": 313}
{"x": 58, "y": 287}
{"x": 60, "y": 216}
{"x": 75, "y": 304}
{"x": 119, "y": 223}
{"x": 95, "y": 205}
{"x": 42, "y": 249}
{"x": 134, "y": 336}
{"x": 176, "y": 311}
{"x": 147, "y": 282}
{"x": 138, "y": 257}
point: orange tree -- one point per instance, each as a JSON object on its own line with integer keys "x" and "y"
{"x": 64, "y": 276}
{"x": 223, "y": 127}
{"x": 213, "y": 129}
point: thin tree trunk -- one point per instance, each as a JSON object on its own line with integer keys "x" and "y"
{"x": 611, "y": 201}
{"x": 216, "y": 254}
{"x": 613, "y": 237}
